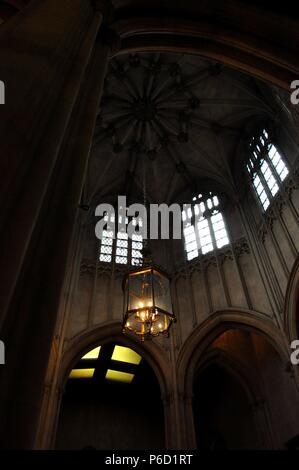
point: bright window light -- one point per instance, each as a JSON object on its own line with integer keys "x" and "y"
{"x": 106, "y": 246}
{"x": 93, "y": 354}
{"x": 219, "y": 230}
{"x": 122, "y": 249}
{"x": 117, "y": 376}
{"x": 190, "y": 242}
{"x": 124, "y": 354}
{"x": 81, "y": 374}
{"x": 204, "y": 227}
{"x": 204, "y": 234}
{"x": 266, "y": 168}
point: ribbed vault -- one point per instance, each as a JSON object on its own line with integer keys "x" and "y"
{"x": 178, "y": 117}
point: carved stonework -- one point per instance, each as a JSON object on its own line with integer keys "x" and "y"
{"x": 292, "y": 183}
{"x": 87, "y": 269}
{"x": 209, "y": 261}
{"x": 239, "y": 248}
{"x": 149, "y": 132}
{"x": 279, "y": 202}
{"x": 226, "y": 254}
{"x": 118, "y": 271}
{"x": 267, "y": 224}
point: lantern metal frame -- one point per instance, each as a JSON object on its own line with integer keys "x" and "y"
{"x": 151, "y": 310}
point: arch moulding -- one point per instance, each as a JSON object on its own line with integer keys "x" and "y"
{"x": 110, "y": 332}
{"x": 291, "y": 307}
{"x": 196, "y": 344}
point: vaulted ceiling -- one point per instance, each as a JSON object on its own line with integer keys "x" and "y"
{"x": 177, "y": 119}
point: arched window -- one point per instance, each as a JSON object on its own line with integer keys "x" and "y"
{"x": 204, "y": 227}
{"x": 122, "y": 249}
{"x": 266, "y": 168}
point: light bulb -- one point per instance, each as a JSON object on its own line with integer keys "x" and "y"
{"x": 142, "y": 315}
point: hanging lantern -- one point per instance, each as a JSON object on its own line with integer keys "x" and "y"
{"x": 147, "y": 305}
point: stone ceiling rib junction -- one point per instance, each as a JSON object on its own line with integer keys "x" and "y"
{"x": 178, "y": 117}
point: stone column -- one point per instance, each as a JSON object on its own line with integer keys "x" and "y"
{"x": 169, "y": 421}
{"x": 54, "y": 72}
{"x": 263, "y": 424}
{"x": 189, "y": 441}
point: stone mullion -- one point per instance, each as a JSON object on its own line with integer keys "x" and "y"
{"x": 94, "y": 285}
{"x": 275, "y": 301}
{"x": 265, "y": 186}
{"x": 265, "y": 259}
{"x": 239, "y": 270}
{"x": 176, "y": 437}
{"x": 109, "y": 296}
{"x": 293, "y": 210}
{"x": 278, "y": 215}
{"x": 287, "y": 234}
{"x": 273, "y": 169}
{"x": 207, "y": 288}
{"x": 203, "y": 276}
{"x": 278, "y": 251}
{"x": 219, "y": 267}
{"x": 177, "y": 325}
{"x": 190, "y": 292}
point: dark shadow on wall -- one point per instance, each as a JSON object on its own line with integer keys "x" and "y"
{"x": 222, "y": 414}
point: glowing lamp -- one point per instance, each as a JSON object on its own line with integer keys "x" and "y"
{"x": 147, "y": 303}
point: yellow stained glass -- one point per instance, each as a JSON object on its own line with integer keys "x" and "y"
{"x": 123, "y": 354}
{"x": 119, "y": 376}
{"x": 93, "y": 354}
{"x": 81, "y": 373}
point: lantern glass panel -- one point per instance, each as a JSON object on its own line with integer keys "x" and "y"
{"x": 162, "y": 297}
{"x": 161, "y": 324}
{"x": 135, "y": 324}
{"x": 140, "y": 293}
